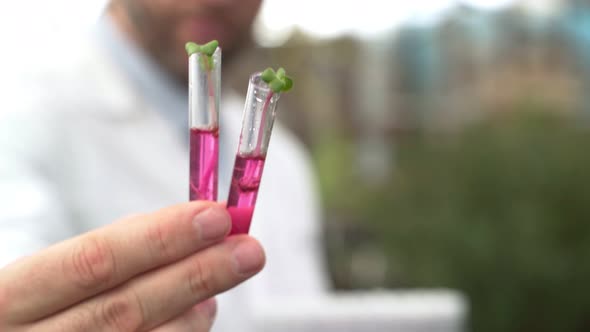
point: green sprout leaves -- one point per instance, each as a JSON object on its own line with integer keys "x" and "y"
{"x": 268, "y": 75}
{"x": 192, "y": 48}
{"x": 207, "y": 49}
{"x": 277, "y": 81}
{"x": 210, "y": 47}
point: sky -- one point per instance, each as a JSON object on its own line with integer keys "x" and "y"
{"x": 322, "y": 18}
{"x": 331, "y": 18}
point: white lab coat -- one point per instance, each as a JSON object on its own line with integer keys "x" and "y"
{"x": 85, "y": 149}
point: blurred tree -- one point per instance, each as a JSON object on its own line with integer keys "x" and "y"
{"x": 500, "y": 211}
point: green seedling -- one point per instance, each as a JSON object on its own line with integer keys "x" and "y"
{"x": 206, "y": 50}
{"x": 277, "y": 81}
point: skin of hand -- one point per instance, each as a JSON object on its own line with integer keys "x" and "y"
{"x": 155, "y": 272}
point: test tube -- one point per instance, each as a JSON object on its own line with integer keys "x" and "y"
{"x": 204, "y": 81}
{"x": 257, "y": 122}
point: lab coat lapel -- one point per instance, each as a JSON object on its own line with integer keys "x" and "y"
{"x": 142, "y": 158}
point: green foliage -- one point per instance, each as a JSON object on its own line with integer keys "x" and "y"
{"x": 500, "y": 211}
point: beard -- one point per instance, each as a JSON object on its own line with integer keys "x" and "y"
{"x": 161, "y": 36}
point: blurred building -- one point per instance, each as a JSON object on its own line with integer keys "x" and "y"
{"x": 470, "y": 63}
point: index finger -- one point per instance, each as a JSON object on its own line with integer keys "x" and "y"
{"x": 76, "y": 269}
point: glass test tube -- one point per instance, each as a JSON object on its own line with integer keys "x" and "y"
{"x": 257, "y": 122}
{"x": 204, "y": 79}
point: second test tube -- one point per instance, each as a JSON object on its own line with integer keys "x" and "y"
{"x": 258, "y": 118}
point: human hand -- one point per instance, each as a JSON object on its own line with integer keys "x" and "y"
{"x": 149, "y": 272}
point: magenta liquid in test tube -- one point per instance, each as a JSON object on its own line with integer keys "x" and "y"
{"x": 204, "y": 89}
{"x": 258, "y": 118}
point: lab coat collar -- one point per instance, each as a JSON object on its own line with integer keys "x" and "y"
{"x": 155, "y": 89}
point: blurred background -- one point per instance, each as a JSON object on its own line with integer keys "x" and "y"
{"x": 451, "y": 140}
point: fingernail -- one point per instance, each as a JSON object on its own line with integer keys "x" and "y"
{"x": 249, "y": 258}
{"x": 212, "y": 223}
{"x": 209, "y": 308}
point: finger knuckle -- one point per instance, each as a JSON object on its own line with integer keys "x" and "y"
{"x": 159, "y": 243}
{"x": 200, "y": 278}
{"x": 121, "y": 313}
{"x": 91, "y": 264}
{"x": 77, "y": 321}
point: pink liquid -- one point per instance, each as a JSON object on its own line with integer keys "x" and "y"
{"x": 243, "y": 192}
{"x": 204, "y": 156}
